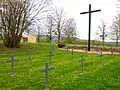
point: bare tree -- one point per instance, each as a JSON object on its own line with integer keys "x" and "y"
{"x": 115, "y": 33}
{"x": 59, "y": 21}
{"x": 50, "y": 25}
{"x": 102, "y": 33}
{"x": 17, "y": 16}
{"x": 38, "y": 34}
{"x": 69, "y": 29}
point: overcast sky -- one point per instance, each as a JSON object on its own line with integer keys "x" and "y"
{"x": 74, "y": 7}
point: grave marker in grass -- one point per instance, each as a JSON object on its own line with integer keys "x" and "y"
{"x": 51, "y": 54}
{"x": 52, "y": 48}
{"x": 14, "y": 51}
{"x": 38, "y": 51}
{"x": 29, "y": 58}
{"x": 72, "y": 54}
{"x": 112, "y": 52}
{"x": 12, "y": 63}
{"x": 66, "y": 49}
{"x": 86, "y": 52}
{"x": 50, "y": 57}
{"x": 101, "y": 54}
{"x": 46, "y": 75}
{"x": 4, "y": 49}
{"x": 82, "y": 65}
{"x": 96, "y": 50}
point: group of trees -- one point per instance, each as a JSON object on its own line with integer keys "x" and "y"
{"x": 102, "y": 33}
{"x": 113, "y": 34}
{"x": 60, "y": 26}
{"x": 115, "y": 29}
{"x": 17, "y": 17}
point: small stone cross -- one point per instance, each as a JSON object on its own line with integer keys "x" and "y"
{"x": 86, "y": 51}
{"x": 101, "y": 54}
{"x": 46, "y": 75}
{"x": 38, "y": 51}
{"x": 4, "y": 50}
{"x": 112, "y": 52}
{"x": 12, "y": 61}
{"x": 14, "y": 51}
{"x": 28, "y": 53}
{"x": 66, "y": 48}
{"x": 50, "y": 57}
{"x": 72, "y": 54}
{"x": 52, "y": 48}
{"x": 82, "y": 65}
{"x": 51, "y": 54}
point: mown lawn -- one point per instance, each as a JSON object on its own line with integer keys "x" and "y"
{"x": 64, "y": 76}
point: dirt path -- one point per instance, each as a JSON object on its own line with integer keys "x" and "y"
{"x": 98, "y": 52}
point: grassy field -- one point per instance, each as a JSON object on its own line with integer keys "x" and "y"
{"x": 64, "y": 76}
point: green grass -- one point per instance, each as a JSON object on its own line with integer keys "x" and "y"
{"x": 64, "y": 76}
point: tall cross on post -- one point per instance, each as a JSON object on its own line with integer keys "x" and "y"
{"x": 89, "y": 12}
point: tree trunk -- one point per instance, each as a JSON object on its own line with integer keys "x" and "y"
{"x": 12, "y": 42}
{"x": 58, "y": 37}
{"x": 117, "y": 41}
{"x": 59, "y": 33}
{"x": 38, "y": 39}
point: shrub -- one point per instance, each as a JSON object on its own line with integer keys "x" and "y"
{"x": 61, "y": 44}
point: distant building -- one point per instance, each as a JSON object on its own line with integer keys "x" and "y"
{"x": 32, "y": 38}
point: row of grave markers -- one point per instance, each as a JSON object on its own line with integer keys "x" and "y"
{"x": 47, "y": 69}
{"x": 51, "y": 55}
{"x": 12, "y": 61}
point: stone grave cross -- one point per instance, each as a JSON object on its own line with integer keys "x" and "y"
{"x": 28, "y": 53}
{"x": 72, "y": 54}
{"x": 51, "y": 54}
{"x": 12, "y": 61}
{"x": 52, "y": 48}
{"x": 96, "y": 49}
{"x": 29, "y": 58}
{"x": 112, "y": 52}
{"x": 50, "y": 57}
{"x": 38, "y": 51}
{"x": 86, "y": 51}
{"x": 14, "y": 51}
{"x": 46, "y": 75}
{"x": 66, "y": 49}
{"x": 4, "y": 49}
{"x": 101, "y": 54}
{"x": 82, "y": 65}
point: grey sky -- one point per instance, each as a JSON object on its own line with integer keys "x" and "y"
{"x": 74, "y": 7}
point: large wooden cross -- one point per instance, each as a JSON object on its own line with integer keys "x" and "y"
{"x": 89, "y": 12}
